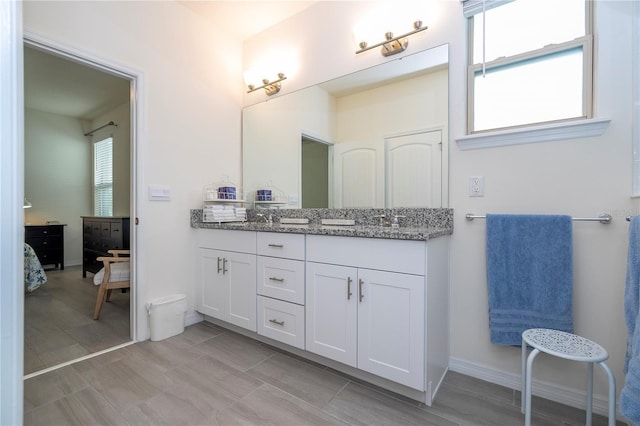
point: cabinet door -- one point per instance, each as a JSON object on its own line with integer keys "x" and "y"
{"x": 391, "y": 326}
{"x": 331, "y": 304}
{"x": 240, "y": 272}
{"x": 212, "y": 296}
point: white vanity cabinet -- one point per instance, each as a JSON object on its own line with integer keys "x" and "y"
{"x": 366, "y": 305}
{"x": 227, "y": 277}
{"x": 281, "y": 287}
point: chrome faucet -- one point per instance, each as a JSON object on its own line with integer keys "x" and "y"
{"x": 384, "y": 221}
{"x": 394, "y": 222}
{"x": 268, "y": 220}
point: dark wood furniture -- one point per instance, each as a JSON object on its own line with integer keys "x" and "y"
{"x": 48, "y": 243}
{"x": 99, "y": 235}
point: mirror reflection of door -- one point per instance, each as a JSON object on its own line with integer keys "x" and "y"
{"x": 315, "y": 173}
{"x": 359, "y": 175}
{"x": 414, "y": 170}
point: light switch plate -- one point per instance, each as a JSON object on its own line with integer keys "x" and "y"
{"x": 159, "y": 193}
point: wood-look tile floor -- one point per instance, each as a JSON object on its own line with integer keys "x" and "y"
{"x": 59, "y": 324}
{"x": 211, "y": 376}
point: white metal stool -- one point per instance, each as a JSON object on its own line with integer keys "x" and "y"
{"x": 568, "y": 346}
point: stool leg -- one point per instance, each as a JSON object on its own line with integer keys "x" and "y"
{"x": 523, "y": 374}
{"x": 589, "y": 393}
{"x": 612, "y": 393}
{"x": 527, "y": 410}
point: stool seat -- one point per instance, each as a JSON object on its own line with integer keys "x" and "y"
{"x": 565, "y": 345}
{"x": 568, "y": 346}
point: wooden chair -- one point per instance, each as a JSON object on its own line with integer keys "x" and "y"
{"x": 115, "y": 274}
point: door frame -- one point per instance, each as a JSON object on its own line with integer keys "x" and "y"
{"x": 137, "y": 110}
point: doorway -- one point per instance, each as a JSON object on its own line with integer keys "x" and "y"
{"x": 61, "y": 126}
{"x": 315, "y": 173}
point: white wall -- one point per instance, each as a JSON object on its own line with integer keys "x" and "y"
{"x": 58, "y": 175}
{"x": 121, "y": 135}
{"x": 576, "y": 177}
{"x": 189, "y": 120}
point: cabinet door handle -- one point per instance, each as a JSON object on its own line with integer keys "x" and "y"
{"x": 360, "y": 282}
{"x": 276, "y": 245}
{"x": 275, "y": 321}
{"x": 219, "y": 269}
{"x": 349, "y": 294}
{"x": 224, "y": 266}
{"x": 280, "y": 280}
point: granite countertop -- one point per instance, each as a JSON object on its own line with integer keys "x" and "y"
{"x": 416, "y": 233}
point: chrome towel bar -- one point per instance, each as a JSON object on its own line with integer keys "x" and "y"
{"x": 603, "y": 218}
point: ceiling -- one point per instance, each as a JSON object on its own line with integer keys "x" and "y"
{"x": 57, "y": 85}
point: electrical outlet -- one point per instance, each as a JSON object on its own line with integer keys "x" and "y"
{"x": 476, "y": 186}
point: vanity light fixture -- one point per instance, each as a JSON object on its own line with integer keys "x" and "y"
{"x": 393, "y": 45}
{"x": 270, "y": 87}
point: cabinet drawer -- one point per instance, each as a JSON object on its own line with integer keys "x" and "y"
{"x": 380, "y": 254}
{"x": 281, "y": 279}
{"x": 238, "y": 241}
{"x": 281, "y": 321}
{"x": 42, "y": 231}
{"x": 290, "y": 246}
{"x": 49, "y": 256}
{"x": 45, "y": 243}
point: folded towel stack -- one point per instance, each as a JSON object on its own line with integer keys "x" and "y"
{"x": 223, "y": 213}
{"x": 630, "y": 394}
{"x": 529, "y": 275}
{"x": 217, "y": 213}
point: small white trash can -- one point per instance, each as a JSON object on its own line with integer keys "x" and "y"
{"x": 166, "y": 316}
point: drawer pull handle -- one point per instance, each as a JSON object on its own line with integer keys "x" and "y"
{"x": 224, "y": 266}
{"x": 280, "y": 280}
{"x": 45, "y": 232}
{"x": 219, "y": 269}
{"x": 275, "y": 321}
{"x": 276, "y": 245}
{"x": 349, "y": 294}
{"x": 360, "y": 282}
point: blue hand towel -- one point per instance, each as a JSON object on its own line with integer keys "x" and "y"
{"x": 529, "y": 275}
{"x": 630, "y": 394}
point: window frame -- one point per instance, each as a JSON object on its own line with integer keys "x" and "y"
{"x": 586, "y": 42}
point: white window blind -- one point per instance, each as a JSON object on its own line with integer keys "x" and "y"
{"x": 103, "y": 177}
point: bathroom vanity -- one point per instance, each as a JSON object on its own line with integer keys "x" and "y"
{"x": 368, "y": 300}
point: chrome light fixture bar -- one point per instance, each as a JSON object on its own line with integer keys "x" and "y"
{"x": 270, "y": 87}
{"x": 393, "y": 45}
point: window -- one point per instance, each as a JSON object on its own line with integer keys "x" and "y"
{"x": 103, "y": 177}
{"x": 530, "y": 62}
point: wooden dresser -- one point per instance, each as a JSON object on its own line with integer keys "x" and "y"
{"x": 48, "y": 243}
{"x": 99, "y": 235}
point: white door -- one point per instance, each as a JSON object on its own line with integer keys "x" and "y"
{"x": 358, "y": 174}
{"x": 331, "y": 317}
{"x": 240, "y": 272}
{"x": 391, "y": 326}
{"x": 213, "y": 284}
{"x": 414, "y": 170}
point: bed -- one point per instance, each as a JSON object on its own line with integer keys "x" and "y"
{"x": 34, "y": 275}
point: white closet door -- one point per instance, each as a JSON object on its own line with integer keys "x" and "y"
{"x": 414, "y": 170}
{"x": 358, "y": 174}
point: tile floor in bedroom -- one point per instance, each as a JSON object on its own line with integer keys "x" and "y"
{"x": 210, "y": 376}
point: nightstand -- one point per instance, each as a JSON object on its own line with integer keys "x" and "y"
{"x": 48, "y": 243}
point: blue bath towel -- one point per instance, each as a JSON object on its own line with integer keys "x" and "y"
{"x": 529, "y": 275}
{"x": 630, "y": 394}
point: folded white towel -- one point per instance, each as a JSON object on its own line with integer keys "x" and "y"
{"x": 214, "y": 207}
{"x": 228, "y": 207}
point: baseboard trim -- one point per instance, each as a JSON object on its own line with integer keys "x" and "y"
{"x": 193, "y": 318}
{"x": 563, "y": 395}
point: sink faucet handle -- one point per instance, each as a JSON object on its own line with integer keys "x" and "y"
{"x": 395, "y": 223}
